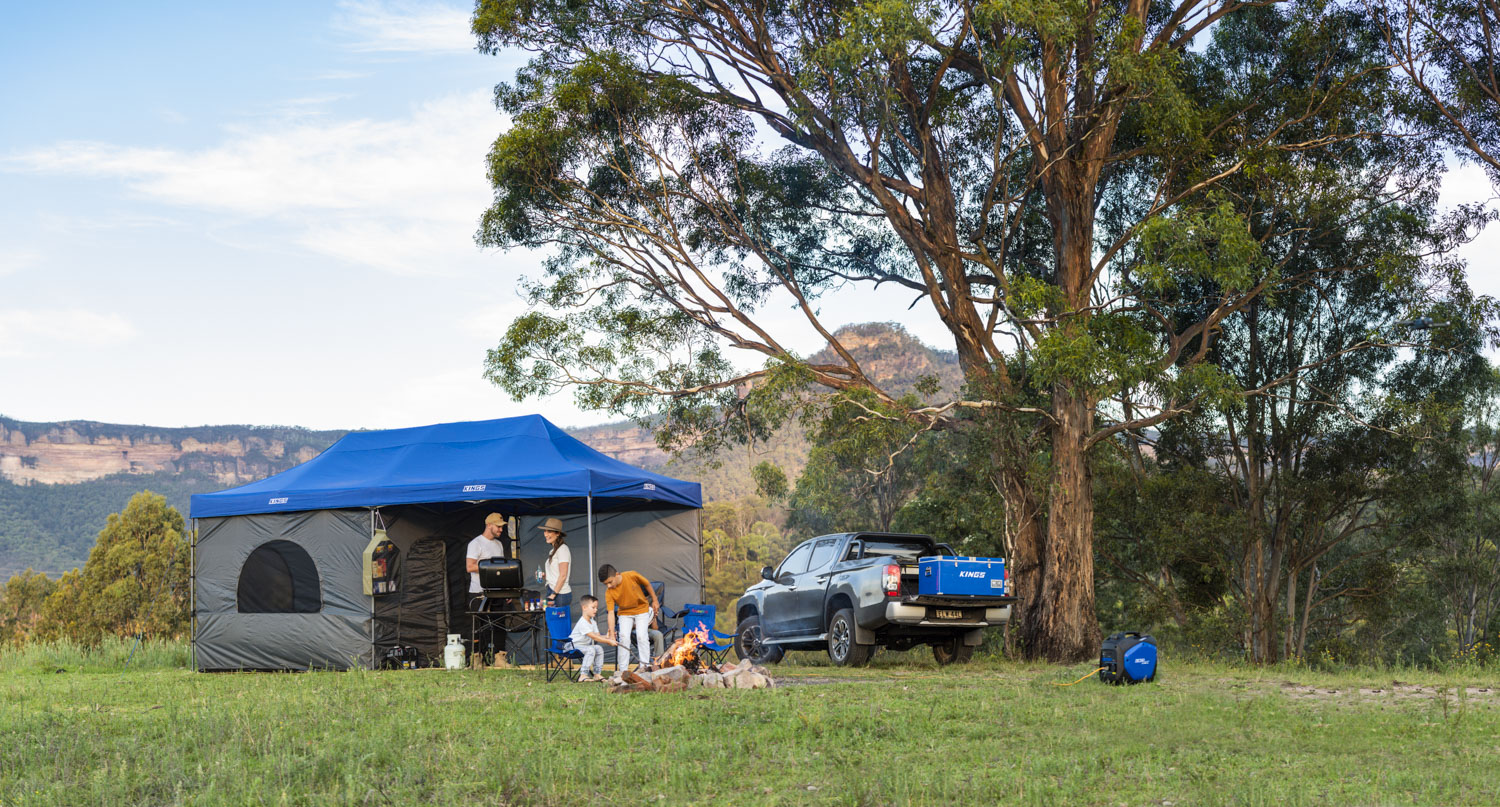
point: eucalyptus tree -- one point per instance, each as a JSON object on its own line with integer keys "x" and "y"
{"x": 1449, "y": 51}
{"x": 136, "y": 582}
{"x": 1045, "y": 178}
{"x": 860, "y": 472}
{"x": 1453, "y": 510}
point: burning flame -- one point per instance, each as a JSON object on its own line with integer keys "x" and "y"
{"x": 685, "y": 649}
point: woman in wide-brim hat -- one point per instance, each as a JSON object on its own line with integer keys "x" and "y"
{"x": 559, "y": 560}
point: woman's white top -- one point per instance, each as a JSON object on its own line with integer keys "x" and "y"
{"x": 554, "y": 574}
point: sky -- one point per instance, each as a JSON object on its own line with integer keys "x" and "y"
{"x": 264, "y": 214}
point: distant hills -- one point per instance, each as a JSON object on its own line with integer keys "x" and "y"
{"x": 58, "y": 481}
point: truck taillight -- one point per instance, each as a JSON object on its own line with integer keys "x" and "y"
{"x": 892, "y": 581}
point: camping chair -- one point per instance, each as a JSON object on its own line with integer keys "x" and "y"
{"x": 703, "y": 616}
{"x": 668, "y": 633}
{"x": 561, "y": 655}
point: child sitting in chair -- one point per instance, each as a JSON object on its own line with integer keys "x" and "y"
{"x": 587, "y": 640}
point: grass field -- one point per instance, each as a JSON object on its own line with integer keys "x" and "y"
{"x": 900, "y": 732}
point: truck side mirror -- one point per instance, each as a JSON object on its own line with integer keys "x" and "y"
{"x": 767, "y": 573}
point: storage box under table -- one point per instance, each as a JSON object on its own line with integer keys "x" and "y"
{"x": 949, "y": 576}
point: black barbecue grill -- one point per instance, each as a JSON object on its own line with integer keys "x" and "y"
{"x": 501, "y": 578}
{"x": 502, "y": 608}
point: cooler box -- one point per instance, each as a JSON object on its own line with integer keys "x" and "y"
{"x": 972, "y": 577}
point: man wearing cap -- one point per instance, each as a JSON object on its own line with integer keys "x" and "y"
{"x": 488, "y": 544}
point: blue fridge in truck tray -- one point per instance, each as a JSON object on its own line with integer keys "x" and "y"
{"x": 971, "y": 577}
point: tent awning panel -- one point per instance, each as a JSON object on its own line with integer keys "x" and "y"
{"x": 522, "y": 458}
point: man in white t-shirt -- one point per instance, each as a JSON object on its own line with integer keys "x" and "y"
{"x": 488, "y": 544}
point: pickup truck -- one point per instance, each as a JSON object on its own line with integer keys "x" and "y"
{"x": 853, "y": 592}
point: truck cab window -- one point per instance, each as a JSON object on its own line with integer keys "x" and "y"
{"x": 795, "y": 563}
{"x": 822, "y": 553}
{"x": 905, "y": 551}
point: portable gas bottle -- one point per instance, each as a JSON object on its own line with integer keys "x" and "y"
{"x": 453, "y": 652}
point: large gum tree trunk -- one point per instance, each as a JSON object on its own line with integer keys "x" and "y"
{"x": 1063, "y": 626}
{"x": 1025, "y": 560}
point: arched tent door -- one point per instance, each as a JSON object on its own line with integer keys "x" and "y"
{"x": 279, "y": 577}
{"x": 417, "y": 614}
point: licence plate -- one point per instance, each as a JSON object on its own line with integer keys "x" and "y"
{"x": 943, "y": 613}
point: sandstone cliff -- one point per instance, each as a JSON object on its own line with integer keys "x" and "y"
{"x": 80, "y": 451}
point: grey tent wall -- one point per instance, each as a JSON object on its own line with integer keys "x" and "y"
{"x": 337, "y": 637}
{"x": 660, "y": 544}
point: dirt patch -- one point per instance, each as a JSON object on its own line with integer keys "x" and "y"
{"x": 1396, "y": 691}
{"x": 808, "y": 681}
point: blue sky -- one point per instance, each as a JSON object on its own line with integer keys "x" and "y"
{"x": 264, "y": 214}
{"x": 249, "y": 214}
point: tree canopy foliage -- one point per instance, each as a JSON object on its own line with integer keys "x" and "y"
{"x": 1449, "y": 52}
{"x": 136, "y": 582}
{"x": 1084, "y": 194}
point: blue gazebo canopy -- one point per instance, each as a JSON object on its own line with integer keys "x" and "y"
{"x": 527, "y": 461}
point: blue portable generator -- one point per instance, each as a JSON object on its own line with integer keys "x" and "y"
{"x": 1127, "y": 657}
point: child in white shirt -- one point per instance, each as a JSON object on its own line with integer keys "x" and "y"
{"x": 587, "y": 639}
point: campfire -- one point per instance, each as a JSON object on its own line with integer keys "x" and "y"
{"x": 682, "y": 667}
{"x": 684, "y": 652}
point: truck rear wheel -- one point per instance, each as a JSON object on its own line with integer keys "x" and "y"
{"x": 953, "y": 651}
{"x": 842, "y": 648}
{"x": 748, "y": 645}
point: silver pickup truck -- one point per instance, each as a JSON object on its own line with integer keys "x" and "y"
{"x": 853, "y": 592}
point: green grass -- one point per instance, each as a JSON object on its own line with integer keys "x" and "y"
{"x": 902, "y": 732}
{"x": 112, "y": 655}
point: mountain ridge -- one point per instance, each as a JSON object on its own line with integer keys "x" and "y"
{"x": 59, "y": 480}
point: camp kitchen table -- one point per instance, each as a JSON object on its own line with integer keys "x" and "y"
{"x": 512, "y": 621}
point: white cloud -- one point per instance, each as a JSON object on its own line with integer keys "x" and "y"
{"x": 457, "y": 394}
{"x": 405, "y": 27}
{"x": 71, "y": 223}
{"x": 486, "y": 324}
{"x": 24, "y": 332}
{"x": 16, "y": 259}
{"x": 401, "y": 195}
{"x": 337, "y": 75}
{"x": 1467, "y": 182}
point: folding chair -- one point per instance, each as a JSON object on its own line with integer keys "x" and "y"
{"x": 561, "y": 656}
{"x": 668, "y": 633}
{"x": 694, "y": 617}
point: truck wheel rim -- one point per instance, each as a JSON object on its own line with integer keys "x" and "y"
{"x": 840, "y": 638}
{"x": 750, "y": 640}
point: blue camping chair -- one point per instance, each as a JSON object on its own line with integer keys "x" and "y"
{"x": 561, "y": 656}
{"x": 696, "y": 616}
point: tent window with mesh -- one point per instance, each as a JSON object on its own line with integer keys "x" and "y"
{"x": 279, "y": 577}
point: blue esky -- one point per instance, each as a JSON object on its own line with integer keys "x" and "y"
{"x": 264, "y": 214}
